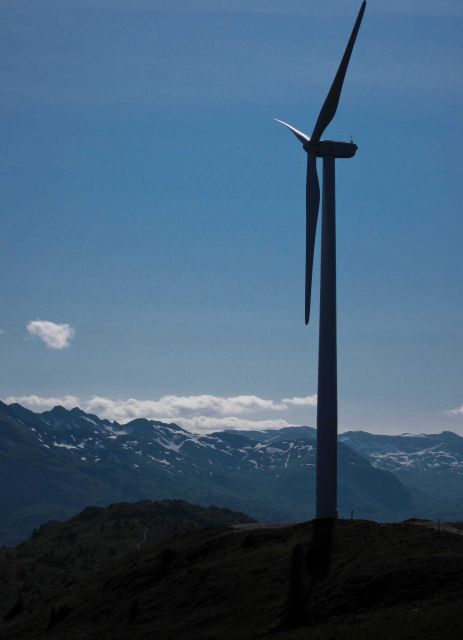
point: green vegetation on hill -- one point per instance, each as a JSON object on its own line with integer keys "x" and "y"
{"x": 60, "y": 553}
{"x": 351, "y": 580}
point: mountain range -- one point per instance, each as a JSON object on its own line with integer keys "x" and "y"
{"x": 53, "y": 464}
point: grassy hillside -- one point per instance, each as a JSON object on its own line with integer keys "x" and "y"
{"x": 356, "y": 579}
{"x": 60, "y": 553}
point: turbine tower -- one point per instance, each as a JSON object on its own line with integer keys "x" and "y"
{"x": 327, "y": 406}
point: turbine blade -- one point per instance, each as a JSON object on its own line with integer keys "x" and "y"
{"x": 332, "y": 99}
{"x": 299, "y": 135}
{"x": 312, "y": 205}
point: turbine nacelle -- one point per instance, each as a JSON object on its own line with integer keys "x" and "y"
{"x": 322, "y": 148}
{"x": 325, "y": 148}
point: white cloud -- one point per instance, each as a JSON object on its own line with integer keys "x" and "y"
{"x": 307, "y": 401}
{"x": 2, "y": 332}
{"x": 55, "y": 336}
{"x": 208, "y": 424}
{"x": 202, "y": 412}
{"x": 455, "y": 412}
{"x": 176, "y": 407}
{"x": 39, "y": 403}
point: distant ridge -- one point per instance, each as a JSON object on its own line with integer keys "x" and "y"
{"x": 53, "y": 464}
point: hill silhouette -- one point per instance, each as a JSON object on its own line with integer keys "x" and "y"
{"x": 60, "y": 553}
{"x": 350, "y": 579}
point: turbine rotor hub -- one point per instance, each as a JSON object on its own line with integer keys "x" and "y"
{"x": 325, "y": 148}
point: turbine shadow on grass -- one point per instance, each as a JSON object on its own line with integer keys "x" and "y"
{"x": 309, "y": 564}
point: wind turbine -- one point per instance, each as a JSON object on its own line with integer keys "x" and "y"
{"x": 327, "y": 405}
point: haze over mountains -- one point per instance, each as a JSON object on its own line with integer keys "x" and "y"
{"x": 52, "y": 464}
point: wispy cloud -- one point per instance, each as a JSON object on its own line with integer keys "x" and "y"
{"x": 201, "y": 412}
{"x": 455, "y": 412}
{"x": 307, "y": 401}
{"x": 207, "y": 424}
{"x": 55, "y": 336}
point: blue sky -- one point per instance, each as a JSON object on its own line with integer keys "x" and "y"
{"x": 150, "y": 203}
